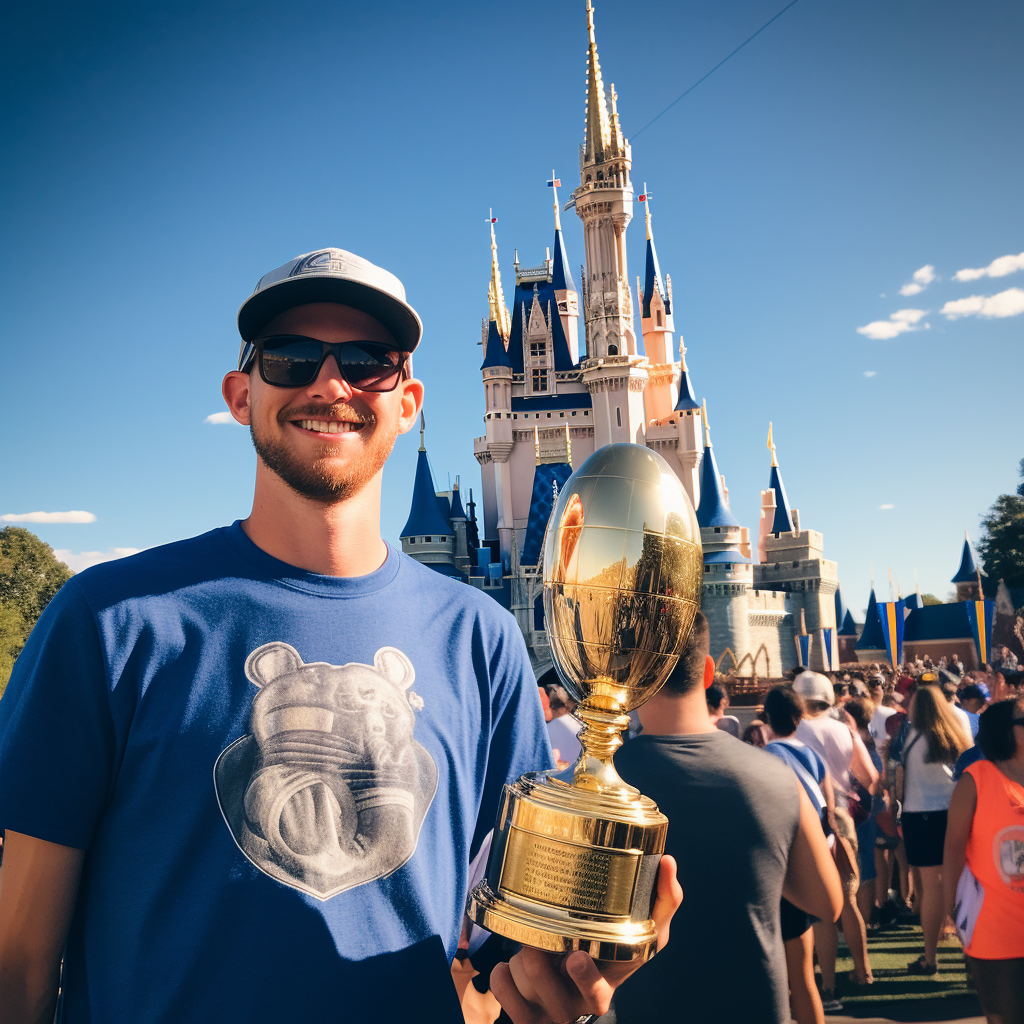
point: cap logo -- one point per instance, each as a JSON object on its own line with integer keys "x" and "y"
{"x": 329, "y": 260}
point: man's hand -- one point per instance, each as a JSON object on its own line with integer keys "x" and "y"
{"x": 542, "y": 988}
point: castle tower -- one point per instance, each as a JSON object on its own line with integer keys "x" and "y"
{"x": 613, "y": 372}
{"x": 497, "y": 377}
{"x": 561, "y": 280}
{"x": 657, "y": 326}
{"x": 428, "y": 536}
{"x": 459, "y": 522}
{"x": 727, "y": 568}
{"x": 792, "y": 560}
{"x": 968, "y": 576}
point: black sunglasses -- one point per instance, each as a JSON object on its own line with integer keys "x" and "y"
{"x": 294, "y": 361}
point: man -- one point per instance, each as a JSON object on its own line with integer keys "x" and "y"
{"x": 243, "y": 776}
{"x": 882, "y": 713}
{"x": 949, "y": 689}
{"x": 744, "y": 834}
{"x": 972, "y": 701}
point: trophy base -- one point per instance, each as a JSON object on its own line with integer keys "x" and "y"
{"x": 571, "y": 869}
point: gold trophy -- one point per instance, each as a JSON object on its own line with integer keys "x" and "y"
{"x": 575, "y": 853}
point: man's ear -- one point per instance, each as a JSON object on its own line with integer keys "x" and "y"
{"x": 709, "y": 671}
{"x": 412, "y": 403}
{"x": 236, "y": 388}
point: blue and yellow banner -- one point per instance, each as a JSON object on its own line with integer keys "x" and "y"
{"x": 803, "y": 649}
{"x": 980, "y": 614}
{"x": 829, "y": 649}
{"x": 892, "y": 616}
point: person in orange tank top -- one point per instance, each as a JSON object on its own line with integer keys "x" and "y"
{"x": 983, "y": 863}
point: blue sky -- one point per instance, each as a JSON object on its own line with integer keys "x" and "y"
{"x": 158, "y": 158}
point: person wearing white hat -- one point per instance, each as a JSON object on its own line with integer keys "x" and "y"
{"x": 244, "y": 776}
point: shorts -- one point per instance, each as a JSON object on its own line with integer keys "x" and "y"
{"x": 924, "y": 835}
{"x": 794, "y": 921}
{"x": 866, "y": 832}
{"x": 1000, "y": 985}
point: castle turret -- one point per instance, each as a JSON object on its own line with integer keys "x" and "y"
{"x": 613, "y": 372}
{"x": 459, "y": 523}
{"x": 657, "y": 327}
{"x": 428, "y": 536}
{"x": 561, "y": 281}
{"x": 968, "y": 576}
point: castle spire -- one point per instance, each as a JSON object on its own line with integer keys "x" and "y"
{"x": 425, "y": 516}
{"x": 652, "y": 279}
{"x": 561, "y": 276}
{"x": 783, "y": 519}
{"x": 495, "y": 296}
{"x": 598, "y": 128}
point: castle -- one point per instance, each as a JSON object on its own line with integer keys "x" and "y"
{"x": 548, "y": 404}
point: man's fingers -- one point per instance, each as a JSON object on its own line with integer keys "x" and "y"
{"x": 538, "y": 977}
{"x": 511, "y": 999}
{"x": 594, "y": 989}
{"x": 670, "y": 895}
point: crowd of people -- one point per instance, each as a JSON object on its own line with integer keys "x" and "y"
{"x": 916, "y": 773}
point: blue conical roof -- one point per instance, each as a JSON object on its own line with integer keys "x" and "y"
{"x": 494, "y": 351}
{"x": 521, "y": 305}
{"x": 458, "y": 512}
{"x": 968, "y": 571}
{"x": 686, "y": 397}
{"x": 425, "y": 516}
{"x": 712, "y": 511}
{"x": 652, "y": 280}
{"x": 871, "y": 639}
{"x": 913, "y": 601}
{"x": 844, "y": 620}
{"x": 783, "y": 520}
{"x": 561, "y": 277}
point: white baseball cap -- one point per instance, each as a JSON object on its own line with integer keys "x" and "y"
{"x": 814, "y": 686}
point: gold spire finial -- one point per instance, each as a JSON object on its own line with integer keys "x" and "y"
{"x": 707, "y": 427}
{"x": 771, "y": 445}
{"x": 495, "y": 296}
{"x": 598, "y": 128}
{"x": 423, "y": 427}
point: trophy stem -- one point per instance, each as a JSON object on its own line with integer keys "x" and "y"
{"x": 600, "y": 737}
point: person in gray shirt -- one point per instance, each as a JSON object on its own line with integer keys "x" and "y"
{"x": 744, "y": 834}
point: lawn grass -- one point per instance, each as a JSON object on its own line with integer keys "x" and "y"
{"x": 900, "y": 996}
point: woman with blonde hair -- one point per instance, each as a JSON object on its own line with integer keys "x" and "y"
{"x": 924, "y": 782}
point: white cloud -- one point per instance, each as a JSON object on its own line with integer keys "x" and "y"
{"x": 220, "y": 417}
{"x": 76, "y": 561}
{"x": 870, "y": 373}
{"x": 991, "y": 307}
{"x": 49, "y": 517}
{"x": 886, "y": 507}
{"x": 923, "y": 277}
{"x": 900, "y": 322}
{"x": 997, "y": 268}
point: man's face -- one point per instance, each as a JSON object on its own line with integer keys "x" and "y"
{"x": 972, "y": 704}
{"x": 327, "y": 440}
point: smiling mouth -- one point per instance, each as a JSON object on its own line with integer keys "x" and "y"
{"x": 328, "y": 426}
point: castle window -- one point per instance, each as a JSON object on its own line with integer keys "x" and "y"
{"x": 613, "y": 350}
{"x": 561, "y": 415}
{"x": 618, "y": 415}
{"x": 540, "y": 380}
{"x": 427, "y": 540}
{"x": 658, "y": 312}
{"x": 574, "y": 412}
{"x": 538, "y": 349}
{"x": 707, "y": 568}
{"x": 549, "y": 415}
{"x": 718, "y": 529}
{"x": 515, "y": 415}
{"x": 586, "y": 412}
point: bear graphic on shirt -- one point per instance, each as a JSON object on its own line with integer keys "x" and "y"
{"x": 328, "y": 789}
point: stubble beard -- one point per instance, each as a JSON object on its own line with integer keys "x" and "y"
{"x": 318, "y": 479}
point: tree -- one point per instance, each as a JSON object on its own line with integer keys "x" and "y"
{"x": 1001, "y": 545}
{"x": 30, "y": 574}
{"x": 927, "y": 599}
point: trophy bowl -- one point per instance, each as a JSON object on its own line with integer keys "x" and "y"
{"x": 575, "y": 853}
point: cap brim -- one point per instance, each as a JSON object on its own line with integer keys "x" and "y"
{"x": 398, "y": 317}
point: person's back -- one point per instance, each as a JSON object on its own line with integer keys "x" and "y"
{"x": 832, "y": 741}
{"x": 733, "y": 811}
{"x": 741, "y": 830}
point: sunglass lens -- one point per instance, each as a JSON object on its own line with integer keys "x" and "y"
{"x": 290, "y": 362}
{"x": 369, "y": 367}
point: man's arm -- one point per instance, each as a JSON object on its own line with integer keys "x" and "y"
{"x": 38, "y": 888}
{"x": 812, "y": 881}
{"x": 958, "y": 830}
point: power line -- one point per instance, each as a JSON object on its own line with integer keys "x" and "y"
{"x": 715, "y": 68}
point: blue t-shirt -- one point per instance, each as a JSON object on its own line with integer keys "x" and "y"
{"x": 279, "y": 778}
{"x": 806, "y": 763}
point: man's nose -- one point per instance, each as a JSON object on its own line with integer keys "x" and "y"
{"x": 329, "y": 385}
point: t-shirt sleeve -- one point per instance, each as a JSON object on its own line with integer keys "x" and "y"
{"x": 57, "y": 736}
{"x": 519, "y": 739}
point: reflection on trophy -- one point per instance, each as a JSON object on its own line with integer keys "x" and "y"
{"x": 575, "y": 853}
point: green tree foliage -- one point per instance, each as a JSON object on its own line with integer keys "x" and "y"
{"x": 30, "y": 574}
{"x": 1002, "y": 541}
{"x": 927, "y": 599}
